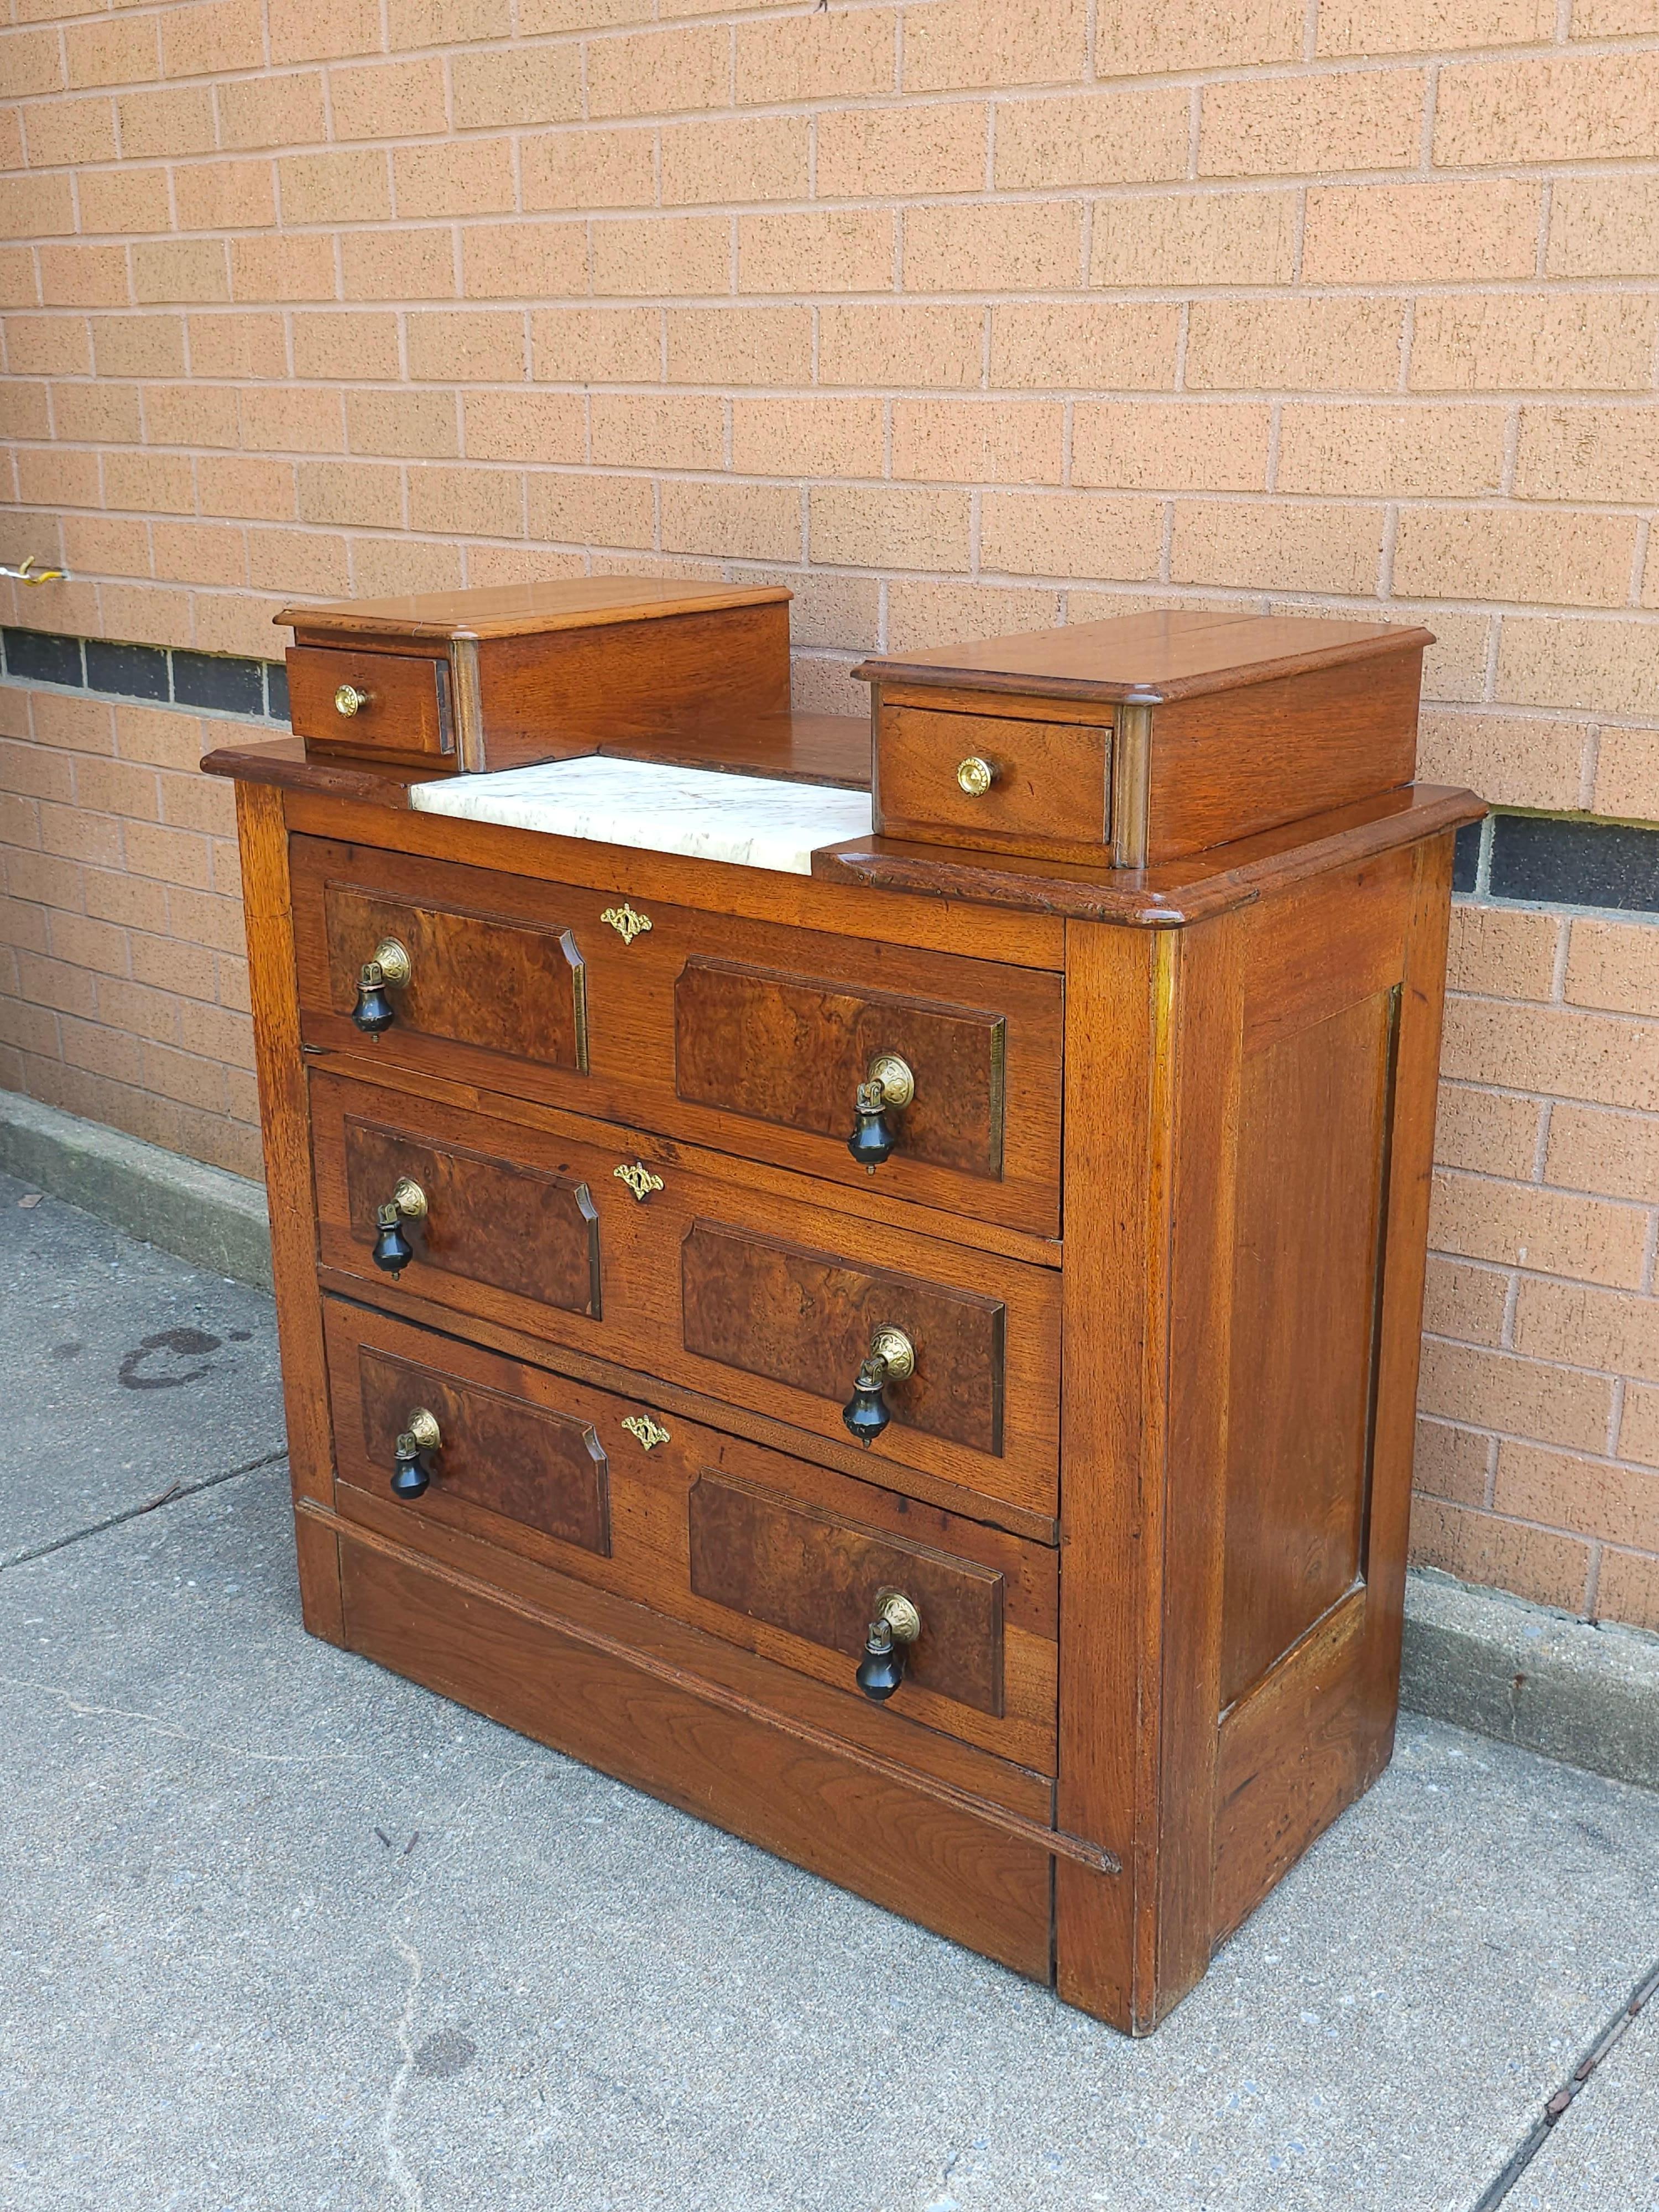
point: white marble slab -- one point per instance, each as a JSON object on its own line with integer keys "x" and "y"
{"x": 752, "y": 821}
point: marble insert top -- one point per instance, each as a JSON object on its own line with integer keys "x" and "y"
{"x": 751, "y": 821}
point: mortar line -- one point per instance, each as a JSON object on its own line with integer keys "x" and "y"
{"x": 136, "y": 1512}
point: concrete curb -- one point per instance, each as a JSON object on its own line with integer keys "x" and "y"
{"x": 1478, "y": 1658}
{"x": 216, "y": 1220}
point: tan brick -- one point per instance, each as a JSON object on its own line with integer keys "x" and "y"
{"x": 662, "y": 72}
{"x": 32, "y": 63}
{"x": 1605, "y": 225}
{"x": 1375, "y": 451}
{"x": 383, "y": 565}
{"x": 1627, "y": 1589}
{"x": 416, "y": 425}
{"x": 447, "y": 22}
{"x": 1172, "y": 446}
{"x": 24, "y": 412}
{"x": 521, "y": 85}
{"x": 918, "y": 612}
{"x": 361, "y": 493}
{"x": 583, "y": 169}
{"x": 388, "y": 100}
{"x": 185, "y": 269}
{"x": 1194, "y": 34}
{"x": 750, "y": 157}
{"x": 525, "y": 426}
{"x": 1520, "y": 1397}
{"x": 740, "y": 345}
{"x": 120, "y": 49}
{"x": 1464, "y": 1302}
{"x": 1418, "y": 233}
{"x": 1560, "y": 558}
{"x": 1627, "y": 775}
{"x": 1307, "y": 125}
{"x": 670, "y": 255}
{"x": 1497, "y": 952}
{"x": 841, "y": 250}
{"x": 1638, "y": 1434}
{"x": 1572, "y": 107}
{"x": 1071, "y": 534}
{"x": 311, "y": 563}
{"x": 1021, "y": 246}
{"x": 291, "y": 419}
{"x": 162, "y": 483}
{"x": 880, "y": 153}
{"x": 18, "y": 284}
{"x": 1400, "y": 27}
{"x": 53, "y": 345}
{"x": 591, "y": 510}
{"x": 1585, "y": 1327}
{"x": 739, "y": 521}
{"x": 252, "y": 491}
{"x": 35, "y": 207}
{"x": 1614, "y": 965}
{"x": 886, "y": 528}
{"x": 210, "y": 38}
{"x": 84, "y": 275}
{"x": 398, "y": 264}
{"x": 1587, "y": 453}
{"x": 520, "y": 260}
{"x": 225, "y": 195}
{"x": 1089, "y": 138}
{"x": 351, "y": 185}
{"x": 1550, "y": 1231}
{"x": 479, "y": 502}
{"x": 67, "y": 131}
{"x": 238, "y": 345}
{"x": 471, "y": 176}
{"x": 294, "y": 268}
{"x": 350, "y": 345}
{"x": 467, "y": 348}
{"x": 157, "y": 614}
{"x": 1605, "y": 667}
{"x": 96, "y": 413}
{"x": 1603, "y": 1058}
{"x": 1613, "y": 19}
{"x": 1451, "y": 1462}
{"x": 1278, "y": 545}
{"x": 1534, "y": 342}
{"x": 596, "y": 345}
{"x": 322, "y": 30}
{"x": 818, "y": 437}
{"x": 979, "y": 441}
{"x": 931, "y": 347}
{"x": 114, "y": 787}
{"x": 536, "y": 16}
{"x": 51, "y": 478}
{"x": 1294, "y": 345}
{"x": 1513, "y": 760}
{"x": 96, "y": 546}
{"x": 1180, "y": 238}
{"x": 642, "y": 430}
{"x": 1616, "y": 1155}
{"x": 1539, "y": 1564}
{"x": 263, "y": 111}
{"x": 840, "y": 53}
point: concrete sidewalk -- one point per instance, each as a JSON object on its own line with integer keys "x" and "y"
{"x": 278, "y": 1931}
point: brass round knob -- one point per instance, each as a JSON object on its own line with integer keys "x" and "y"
{"x": 976, "y": 776}
{"x": 348, "y": 700}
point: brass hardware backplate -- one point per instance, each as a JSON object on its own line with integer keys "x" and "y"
{"x": 976, "y": 776}
{"x": 893, "y": 1345}
{"x": 348, "y": 700}
{"x": 423, "y": 1428}
{"x": 639, "y": 1179}
{"x": 650, "y": 1433}
{"x": 627, "y": 924}
{"x": 392, "y": 960}
{"x": 410, "y": 1199}
{"x": 898, "y": 1084}
{"x": 900, "y": 1613}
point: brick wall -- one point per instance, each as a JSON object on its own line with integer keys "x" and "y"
{"x": 959, "y": 316}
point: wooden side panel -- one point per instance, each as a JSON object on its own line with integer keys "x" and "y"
{"x": 806, "y": 1319}
{"x": 585, "y": 1692}
{"x": 285, "y": 1119}
{"x": 793, "y": 1050}
{"x": 1229, "y": 763}
{"x": 806, "y": 1572}
{"x": 1311, "y": 1159}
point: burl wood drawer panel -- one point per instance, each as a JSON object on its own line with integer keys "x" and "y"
{"x": 387, "y": 706}
{"x": 750, "y": 1037}
{"x": 762, "y": 1302}
{"x": 781, "y": 1557}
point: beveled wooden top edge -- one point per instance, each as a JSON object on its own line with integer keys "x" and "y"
{"x": 283, "y": 761}
{"x": 1148, "y": 658}
{"x": 522, "y": 609}
{"x": 1172, "y": 896}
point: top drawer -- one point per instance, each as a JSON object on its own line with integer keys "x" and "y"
{"x": 1001, "y": 781}
{"x": 394, "y": 706}
{"x": 750, "y": 1037}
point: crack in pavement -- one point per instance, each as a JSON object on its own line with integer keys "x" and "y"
{"x": 173, "y": 1496}
{"x": 1560, "y": 2102}
{"x": 397, "y": 2167}
{"x": 167, "y": 1728}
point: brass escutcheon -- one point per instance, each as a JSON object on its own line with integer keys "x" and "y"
{"x": 650, "y": 1433}
{"x": 898, "y": 1084}
{"x": 900, "y": 1613}
{"x": 410, "y": 1199}
{"x": 393, "y": 963}
{"x": 639, "y": 1179}
{"x": 975, "y": 776}
{"x": 894, "y": 1347}
{"x": 349, "y": 700}
{"x": 422, "y": 1428}
{"x": 627, "y": 924}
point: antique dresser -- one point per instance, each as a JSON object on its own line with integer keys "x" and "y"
{"x": 865, "y": 1277}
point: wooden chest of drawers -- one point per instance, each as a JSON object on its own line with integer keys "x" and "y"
{"x": 914, "y": 1363}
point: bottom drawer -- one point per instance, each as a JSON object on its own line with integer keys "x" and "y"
{"x": 566, "y": 1683}
{"x": 780, "y": 1556}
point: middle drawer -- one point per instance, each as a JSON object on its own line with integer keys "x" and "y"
{"x": 670, "y": 1271}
